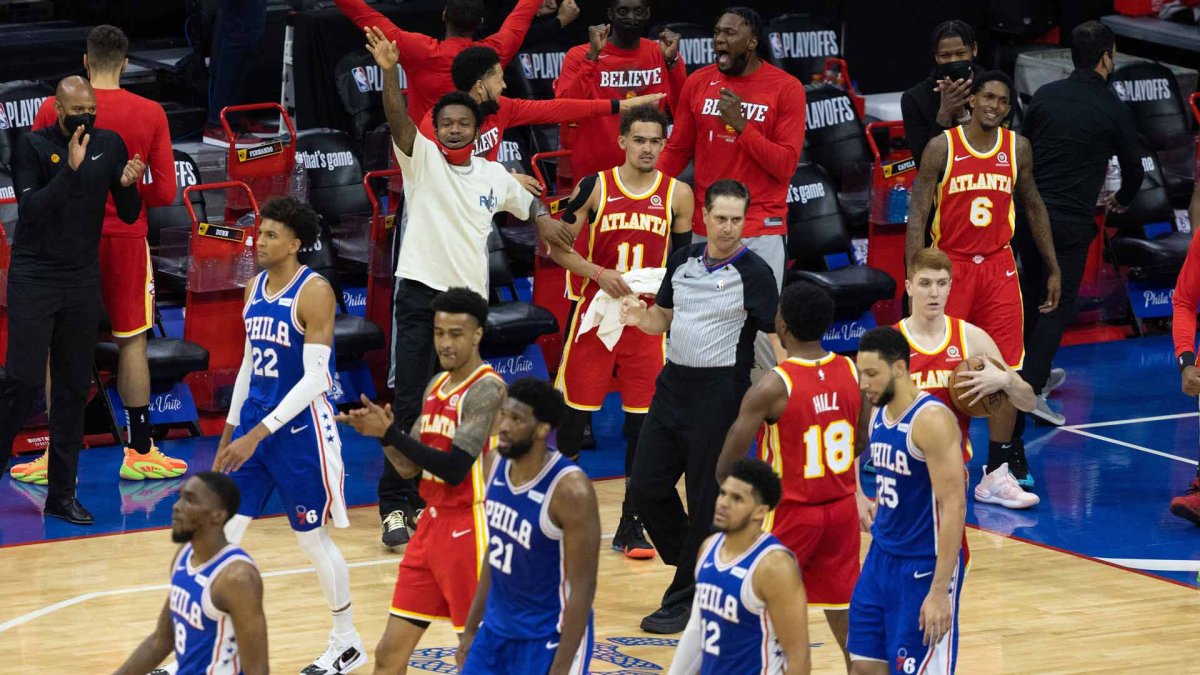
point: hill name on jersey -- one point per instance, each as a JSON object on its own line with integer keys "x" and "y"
{"x": 825, "y": 402}
{"x": 270, "y": 329}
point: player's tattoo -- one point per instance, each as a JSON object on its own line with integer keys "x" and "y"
{"x": 479, "y": 407}
{"x": 933, "y": 164}
{"x": 1025, "y": 190}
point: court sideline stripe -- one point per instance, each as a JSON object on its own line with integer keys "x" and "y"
{"x": 69, "y": 602}
{"x": 1156, "y": 565}
{"x": 1131, "y": 420}
{"x": 1132, "y": 446}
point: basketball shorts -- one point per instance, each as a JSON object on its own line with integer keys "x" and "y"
{"x": 440, "y": 568}
{"x": 302, "y": 460}
{"x": 492, "y": 654}
{"x": 985, "y": 291}
{"x": 589, "y": 370}
{"x": 886, "y": 609}
{"x": 826, "y": 541}
{"x": 127, "y": 284}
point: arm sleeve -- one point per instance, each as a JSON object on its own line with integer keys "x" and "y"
{"x": 918, "y": 130}
{"x": 779, "y": 156}
{"x": 687, "y": 652}
{"x": 576, "y": 76}
{"x": 554, "y": 111}
{"x": 126, "y": 199}
{"x": 36, "y": 196}
{"x": 666, "y": 292}
{"x": 508, "y": 39}
{"x": 161, "y": 162}
{"x": 682, "y": 144}
{"x": 762, "y": 296}
{"x": 45, "y": 115}
{"x": 241, "y": 389}
{"x": 1187, "y": 288}
{"x": 1129, "y": 156}
{"x": 312, "y": 384}
{"x": 413, "y": 47}
{"x": 451, "y": 467}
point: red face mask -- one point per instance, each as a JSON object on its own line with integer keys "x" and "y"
{"x": 459, "y": 156}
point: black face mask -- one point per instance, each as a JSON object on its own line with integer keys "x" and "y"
{"x": 489, "y": 108}
{"x": 86, "y": 120}
{"x": 956, "y": 70}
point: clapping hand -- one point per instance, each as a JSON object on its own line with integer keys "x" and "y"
{"x": 77, "y": 147}
{"x": 133, "y": 171}
{"x": 369, "y": 420}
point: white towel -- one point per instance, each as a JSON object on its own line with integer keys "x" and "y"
{"x": 604, "y": 313}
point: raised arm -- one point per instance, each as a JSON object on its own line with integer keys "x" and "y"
{"x": 508, "y": 39}
{"x": 935, "y": 432}
{"x": 777, "y": 581}
{"x": 573, "y": 508}
{"x": 238, "y": 591}
{"x": 413, "y": 47}
{"x": 1026, "y": 192}
{"x": 154, "y": 649}
{"x": 764, "y": 401}
{"x": 924, "y": 192}
{"x": 403, "y": 128}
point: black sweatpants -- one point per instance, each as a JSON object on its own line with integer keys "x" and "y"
{"x": 684, "y": 430}
{"x": 414, "y": 360}
{"x": 61, "y": 322}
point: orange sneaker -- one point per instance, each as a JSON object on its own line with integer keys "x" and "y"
{"x": 32, "y": 472}
{"x": 151, "y": 466}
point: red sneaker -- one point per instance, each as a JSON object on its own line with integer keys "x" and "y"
{"x": 1188, "y": 505}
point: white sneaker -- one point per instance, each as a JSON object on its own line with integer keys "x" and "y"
{"x": 1043, "y": 412}
{"x": 339, "y": 657}
{"x": 999, "y": 487}
{"x": 1056, "y": 379}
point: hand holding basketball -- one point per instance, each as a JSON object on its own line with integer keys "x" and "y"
{"x": 977, "y": 386}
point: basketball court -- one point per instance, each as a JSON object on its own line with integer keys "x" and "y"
{"x": 1098, "y": 578}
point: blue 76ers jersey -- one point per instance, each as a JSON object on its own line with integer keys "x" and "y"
{"x": 529, "y": 588}
{"x": 906, "y": 519}
{"x": 276, "y": 339}
{"x": 204, "y": 639}
{"x": 737, "y": 635}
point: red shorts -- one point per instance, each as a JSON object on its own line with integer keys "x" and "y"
{"x": 127, "y": 284}
{"x": 985, "y": 291}
{"x": 826, "y": 541}
{"x": 440, "y": 568}
{"x": 589, "y": 370}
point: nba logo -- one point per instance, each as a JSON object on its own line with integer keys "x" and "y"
{"x": 4, "y": 124}
{"x": 776, "y": 45}
{"x": 360, "y": 79}
{"x": 1119, "y": 87}
{"x": 526, "y": 65}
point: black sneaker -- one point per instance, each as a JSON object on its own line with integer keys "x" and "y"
{"x": 630, "y": 539}
{"x": 668, "y": 619}
{"x": 395, "y": 528}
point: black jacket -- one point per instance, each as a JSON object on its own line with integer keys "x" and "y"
{"x": 1074, "y": 126}
{"x": 61, "y": 210}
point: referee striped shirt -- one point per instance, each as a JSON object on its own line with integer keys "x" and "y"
{"x": 717, "y": 310}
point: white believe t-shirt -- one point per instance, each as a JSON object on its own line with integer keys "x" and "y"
{"x": 449, "y": 216}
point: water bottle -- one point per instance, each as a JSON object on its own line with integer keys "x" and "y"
{"x": 898, "y": 204}
{"x": 247, "y": 264}
{"x": 1112, "y": 181}
{"x": 298, "y": 181}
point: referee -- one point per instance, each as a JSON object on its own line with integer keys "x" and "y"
{"x": 63, "y": 176}
{"x": 1074, "y": 126}
{"x": 714, "y": 299}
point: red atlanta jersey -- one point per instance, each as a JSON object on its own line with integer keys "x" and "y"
{"x": 975, "y": 213}
{"x": 440, "y": 417}
{"x": 811, "y": 446}
{"x": 629, "y": 232}
{"x": 931, "y": 370}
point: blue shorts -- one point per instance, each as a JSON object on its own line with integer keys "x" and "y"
{"x": 885, "y": 613}
{"x": 303, "y": 460}
{"x": 492, "y": 654}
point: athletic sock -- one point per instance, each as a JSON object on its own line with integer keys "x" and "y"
{"x": 343, "y": 622}
{"x": 138, "y": 419}
{"x": 998, "y": 453}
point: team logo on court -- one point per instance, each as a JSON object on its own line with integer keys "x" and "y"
{"x": 952, "y": 352}
{"x": 604, "y": 651}
{"x": 1002, "y": 157}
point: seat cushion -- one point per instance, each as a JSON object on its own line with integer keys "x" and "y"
{"x": 853, "y": 289}
{"x": 353, "y": 336}
{"x": 170, "y": 358}
{"x": 511, "y": 326}
{"x": 1148, "y": 258}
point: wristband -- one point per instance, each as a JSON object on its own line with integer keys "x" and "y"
{"x": 596, "y": 273}
{"x": 672, "y": 62}
{"x": 1187, "y": 359}
{"x": 616, "y": 106}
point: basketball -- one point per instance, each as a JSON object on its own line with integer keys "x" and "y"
{"x": 986, "y": 405}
